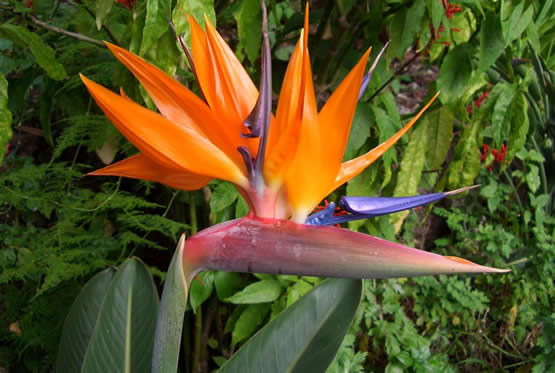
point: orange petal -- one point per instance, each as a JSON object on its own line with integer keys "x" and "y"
{"x": 303, "y": 179}
{"x": 163, "y": 141}
{"x": 226, "y": 85}
{"x": 355, "y": 166}
{"x": 142, "y": 167}
{"x": 179, "y": 104}
{"x": 284, "y": 136}
{"x": 335, "y": 124}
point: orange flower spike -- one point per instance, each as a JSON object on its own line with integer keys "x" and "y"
{"x": 225, "y": 83}
{"x": 335, "y": 124}
{"x": 166, "y": 140}
{"x": 141, "y": 167}
{"x": 302, "y": 180}
{"x": 176, "y": 102}
{"x": 355, "y": 166}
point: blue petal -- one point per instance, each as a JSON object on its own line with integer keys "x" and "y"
{"x": 368, "y": 75}
{"x": 369, "y": 207}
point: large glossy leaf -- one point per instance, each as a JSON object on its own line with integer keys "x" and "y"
{"x": 124, "y": 333}
{"x": 44, "y": 55}
{"x": 80, "y": 322}
{"x": 305, "y": 337}
{"x": 169, "y": 324}
{"x": 5, "y": 118}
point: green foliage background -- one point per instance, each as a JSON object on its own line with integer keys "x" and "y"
{"x": 495, "y": 69}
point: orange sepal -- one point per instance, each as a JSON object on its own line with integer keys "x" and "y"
{"x": 226, "y": 85}
{"x": 355, "y": 166}
{"x": 163, "y": 141}
{"x": 142, "y": 167}
{"x": 179, "y": 104}
{"x": 335, "y": 120}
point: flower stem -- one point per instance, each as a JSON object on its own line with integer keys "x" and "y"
{"x": 58, "y": 30}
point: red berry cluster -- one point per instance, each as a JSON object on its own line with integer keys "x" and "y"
{"x": 478, "y": 102}
{"x": 127, "y": 3}
{"x": 498, "y": 155}
{"x": 450, "y": 9}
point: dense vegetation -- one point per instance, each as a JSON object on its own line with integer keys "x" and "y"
{"x": 492, "y": 125}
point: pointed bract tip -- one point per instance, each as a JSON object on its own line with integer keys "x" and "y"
{"x": 460, "y": 190}
{"x": 477, "y": 267}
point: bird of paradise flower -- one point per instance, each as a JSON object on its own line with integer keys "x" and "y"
{"x": 282, "y": 164}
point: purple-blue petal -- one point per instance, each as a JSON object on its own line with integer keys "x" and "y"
{"x": 368, "y": 76}
{"x": 368, "y": 207}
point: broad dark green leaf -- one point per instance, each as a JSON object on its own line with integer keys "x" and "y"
{"x": 201, "y": 289}
{"x": 259, "y": 292}
{"x": 492, "y": 42}
{"x": 156, "y": 23}
{"x": 123, "y": 337}
{"x": 81, "y": 321}
{"x": 439, "y": 125}
{"x": 5, "y": 118}
{"x": 249, "y": 27}
{"x": 454, "y": 74}
{"x": 103, "y": 8}
{"x": 227, "y": 283}
{"x": 249, "y": 320}
{"x": 305, "y": 337}
{"x": 412, "y": 165}
{"x": 44, "y": 55}
{"x": 169, "y": 323}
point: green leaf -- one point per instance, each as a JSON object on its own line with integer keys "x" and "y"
{"x": 360, "y": 130}
{"x": 248, "y": 322}
{"x": 492, "y": 42}
{"x": 123, "y": 337}
{"x": 169, "y": 323}
{"x": 80, "y": 322}
{"x": 198, "y": 8}
{"x": 411, "y": 169}
{"x": 296, "y": 291}
{"x": 517, "y": 23}
{"x": 103, "y": 8}
{"x": 156, "y": 23}
{"x": 500, "y": 115}
{"x": 412, "y": 24}
{"x": 260, "y": 292}
{"x": 249, "y": 27}
{"x": 223, "y": 195}
{"x": 201, "y": 289}
{"x": 439, "y": 125}
{"x": 5, "y": 118}
{"x": 455, "y": 73}
{"x": 227, "y": 283}
{"x": 44, "y": 55}
{"x": 305, "y": 337}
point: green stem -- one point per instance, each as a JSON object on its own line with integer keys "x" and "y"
{"x": 198, "y": 338}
